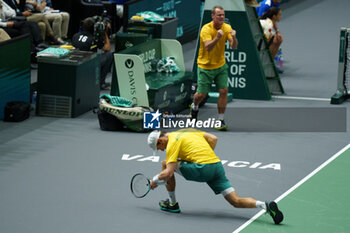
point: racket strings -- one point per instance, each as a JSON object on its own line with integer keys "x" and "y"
{"x": 140, "y": 185}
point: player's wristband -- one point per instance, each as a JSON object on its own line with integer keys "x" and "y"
{"x": 158, "y": 181}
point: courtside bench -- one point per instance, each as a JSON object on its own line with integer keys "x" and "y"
{"x": 133, "y": 77}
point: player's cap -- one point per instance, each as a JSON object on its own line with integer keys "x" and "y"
{"x": 152, "y": 140}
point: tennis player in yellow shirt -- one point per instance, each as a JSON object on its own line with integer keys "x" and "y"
{"x": 190, "y": 153}
{"x": 211, "y": 62}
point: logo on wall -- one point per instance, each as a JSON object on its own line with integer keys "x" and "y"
{"x": 128, "y": 44}
{"x": 151, "y": 120}
{"x": 129, "y": 63}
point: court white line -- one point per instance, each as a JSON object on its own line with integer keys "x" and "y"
{"x": 301, "y": 98}
{"x": 294, "y": 187}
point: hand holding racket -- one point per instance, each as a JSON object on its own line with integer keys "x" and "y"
{"x": 140, "y": 185}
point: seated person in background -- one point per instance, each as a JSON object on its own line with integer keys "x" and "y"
{"x": 86, "y": 41}
{"x": 269, "y": 24}
{"x": 17, "y": 28}
{"x": 43, "y": 23}
{"x": 266, "y": 5}
{"x": 58, "y": 20}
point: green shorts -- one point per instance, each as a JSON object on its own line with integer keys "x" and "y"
{"x": 205, "y": 79}
{"x": 213, "y": 174}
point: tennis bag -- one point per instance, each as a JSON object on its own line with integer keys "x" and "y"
{"x": 109, "y": 122}
{"x": 131, "y": 117}
{"x": 16, "y": 111}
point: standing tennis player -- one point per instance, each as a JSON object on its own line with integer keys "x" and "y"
{"x": 190, "y": 153}
{"x": 211, "y": 62}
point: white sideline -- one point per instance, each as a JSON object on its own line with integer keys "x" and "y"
{"x": 301, "y": 98}
{"x": 294, "y": 187}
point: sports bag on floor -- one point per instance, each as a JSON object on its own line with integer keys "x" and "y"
{"x": 109, "y": 122}
{"x": 16, "y": 111}
{"x": 131, "y": 117}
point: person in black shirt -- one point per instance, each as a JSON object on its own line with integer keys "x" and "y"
{"x": 85, "y": 41}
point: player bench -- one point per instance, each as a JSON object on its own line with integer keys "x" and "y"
{"x": 134, "y": 79}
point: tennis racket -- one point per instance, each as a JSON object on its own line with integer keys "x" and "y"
{"x": 140, "y": 185}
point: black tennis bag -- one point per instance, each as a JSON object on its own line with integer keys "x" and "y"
{"x": 131, "y": 117}
{"x": 109, "y": 122}
{"x": 16, "y": 111}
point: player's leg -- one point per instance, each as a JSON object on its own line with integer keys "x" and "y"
{"x": 204, "y": 81}
{"x": 198, "y": 98}
{"x": 249, "y": 202}
{"x": 242, "y": 202}
{"x": 222, "y": 101}
{"x": 221, "y": 185}
{"x": 170, "y": 205}
{"x": 221, "y": 83}
{"x": 171, "y": 182}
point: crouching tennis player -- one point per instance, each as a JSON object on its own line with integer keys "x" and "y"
{"x": 190, "y": 153}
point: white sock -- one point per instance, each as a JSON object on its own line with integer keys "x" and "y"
{"x": 172, "y": 197}
{"x": 195, "y": 107}
{"x": 221, "y": 116}
{"x": 261, "y": 205}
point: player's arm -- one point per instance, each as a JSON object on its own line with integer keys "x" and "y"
{"x": 165, "y": 175}
{"x": 210, "y": 44}
{"x": 233, "y": 41}
{"x": 211, "y": 139}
